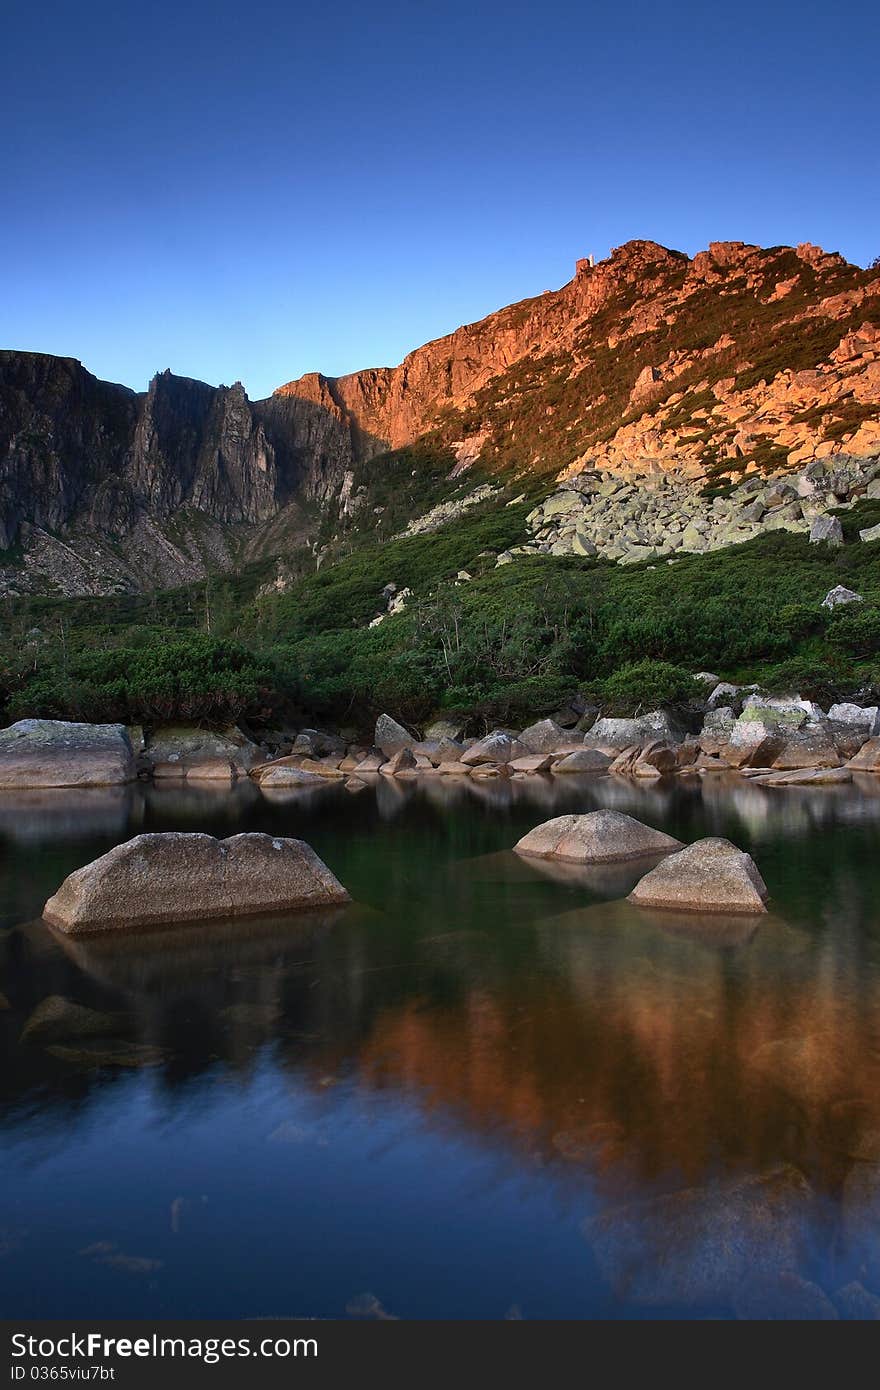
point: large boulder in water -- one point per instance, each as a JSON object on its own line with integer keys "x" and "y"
{"x": 709, "y": 876}
{"x": 56, "y": 753}
{"x": 599, "y": 837}
{"x": 177, "y": 877}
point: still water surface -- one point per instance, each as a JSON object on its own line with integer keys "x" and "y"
{"x": 487, "y": 1089}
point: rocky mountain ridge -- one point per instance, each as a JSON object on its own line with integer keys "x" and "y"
{"x": 646, "y": 357}
{"x": 739, "y": 362}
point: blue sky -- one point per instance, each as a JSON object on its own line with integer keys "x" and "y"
{"x": 254, "y": 191}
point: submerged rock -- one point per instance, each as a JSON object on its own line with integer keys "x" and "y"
{"x": 113, "y": 1052}
{"x": 709, "y": 876}
{"x": 704, "y": 1247}
{"x": 784, "y": 1298}
{"x": 599, "y": 837}
{"x": 855, "y": 1303}
{"x": 55, "y": 1018}
{"x": 177, "y": 877}
{"x": 806, "y": 777}
{"x": 56, "y": 753}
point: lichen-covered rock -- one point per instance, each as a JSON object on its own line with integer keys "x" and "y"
{"x": 544, "y": 737}
{"x": 583, "y": 760}
{"x": 390, "y": 736}
{"x": 813, "y": 749}
{"x": 497, "y": 747}
{"x": 861, "y": 717}
{"x": 840, "y": 594}
{"x": 827, "y": 529}
{"x": 444, "y": 729}
{"x": 177, "y": 877}
{"x": 56, "y": 753}
{"x": 599, "y": 837}
{"x": 181, "y": 750}
{"x": 620, "y": 733}
{"x": 708, "y": 876}
{"x": 767, "y": 727}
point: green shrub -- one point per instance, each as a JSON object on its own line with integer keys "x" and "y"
{"x": 198, "y": 678}
{"x": 855, "y": 628}
{"x": 645, "y": 685}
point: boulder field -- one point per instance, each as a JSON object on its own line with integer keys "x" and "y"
{"x": 174, "y": 877}
{"x": 657, "y": 512}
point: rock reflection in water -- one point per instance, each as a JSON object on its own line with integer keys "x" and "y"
{"x": 58, "y": 814}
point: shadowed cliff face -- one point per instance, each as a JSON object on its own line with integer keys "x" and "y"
{"x": 103, "y": 489}
{"x": 63, "y": 440}
{"x": 73, "y": 448}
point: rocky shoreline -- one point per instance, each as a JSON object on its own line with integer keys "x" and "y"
{"x": 775, "y": 741}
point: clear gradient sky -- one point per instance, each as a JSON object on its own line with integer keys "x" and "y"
{"x": 254, "y": 190}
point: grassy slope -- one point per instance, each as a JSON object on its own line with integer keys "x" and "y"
{"x": 511, "y": 643}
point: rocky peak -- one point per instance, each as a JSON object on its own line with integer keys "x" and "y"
{"x": 625, "y": 335}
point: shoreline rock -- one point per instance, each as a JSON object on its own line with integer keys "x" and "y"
{"x": 59, "y": 753}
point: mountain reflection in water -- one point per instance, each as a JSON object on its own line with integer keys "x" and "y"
{"x": 488, "y": 1083}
